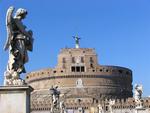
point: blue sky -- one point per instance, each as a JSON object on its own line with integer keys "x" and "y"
{"x": 119, "y": 30}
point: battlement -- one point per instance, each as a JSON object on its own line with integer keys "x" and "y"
{"x": 79, "y": 50}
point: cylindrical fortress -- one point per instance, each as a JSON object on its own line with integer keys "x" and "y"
{"x": 79, "y": 75}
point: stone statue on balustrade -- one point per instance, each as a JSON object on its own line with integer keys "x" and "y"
{"x": 19, "y": 42}
{"x": 100, "y": 108}
{"x": 138, "y": 95}
{"x": 55, "y": 94}
{"x": 111, "y": 103}
{"x": 57, "y": 104}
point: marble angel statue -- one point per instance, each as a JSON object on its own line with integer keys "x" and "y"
{"x": 19, "y": 42}
{"x": 138, "y": 95}
{"x": 111, "y": 103}
{"x": 55, "y": 94}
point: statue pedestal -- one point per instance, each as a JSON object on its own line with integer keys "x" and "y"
{"x": 15, "y": 99}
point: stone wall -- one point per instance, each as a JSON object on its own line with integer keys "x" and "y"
{"x": 109, "y": 80}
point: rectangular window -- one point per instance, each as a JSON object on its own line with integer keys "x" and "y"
{"x": 78, "y": 69}
{"x": 82, "y": 69}
{"x": 73, "y": 69}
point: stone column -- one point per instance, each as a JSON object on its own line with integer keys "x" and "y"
{"x": 15, "y": 99}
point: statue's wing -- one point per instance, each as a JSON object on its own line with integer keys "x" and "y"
{"x": 9, "y": 21}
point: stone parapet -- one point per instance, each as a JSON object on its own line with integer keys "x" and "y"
{"x": 41, "y": 101}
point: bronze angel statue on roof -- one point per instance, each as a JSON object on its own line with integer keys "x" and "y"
{"x": 19, "y": 42}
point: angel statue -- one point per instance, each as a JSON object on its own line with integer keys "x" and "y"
{"x": 77, "y": 41}
{"x": 100, "y": 108}
{"x": 19, "y": 42}
{"x": 111, "y": 103}
{"x": 138, "y": 95}
{"x": 55, "y": 94}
